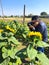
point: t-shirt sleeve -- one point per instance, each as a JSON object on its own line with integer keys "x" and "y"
{"x": 40, "y": 29}
{"x": 43, "y": 30}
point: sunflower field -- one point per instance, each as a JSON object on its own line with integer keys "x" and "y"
{"x": 18, "y": 45}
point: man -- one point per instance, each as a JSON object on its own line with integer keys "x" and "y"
{"x": 39, "y": 26}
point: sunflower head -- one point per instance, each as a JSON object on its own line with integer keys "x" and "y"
{"x": 36, "y": 34}
{"x": 1, "y": 30}
{"x": 8, "y": 28}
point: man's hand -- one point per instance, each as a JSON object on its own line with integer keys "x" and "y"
{"x": 31, "y": 27}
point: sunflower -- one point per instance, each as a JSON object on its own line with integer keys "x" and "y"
{"x": 1, "y": 30}
{"x": 8, "y": 28}
{"x": 37, "y": 34}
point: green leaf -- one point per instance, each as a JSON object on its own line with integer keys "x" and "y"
{"x": 12, "y": 52}
{"x": 13, "y": 40}
{"x": 18, "y": 62}
{"x": 9, "y": 52}
{"x": 42, "y": 44}
{"x": 2, "y": 38}
{"x": 5, "y": 52}
{"x": 2, "y": 44}
{"x": 31, "y": 52}
{"x": 5, "y": 62}
{"x": 10, "y": 63}
{"x": 24, "y": 36}
{"x": 10, "y": 34}
{"x": 4, "y": 49}
{"x": 43, "y": 59}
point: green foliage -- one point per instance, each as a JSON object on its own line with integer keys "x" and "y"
{"x": 9, "y": 52}
{"x": 2, "y": 44}
{"x": 43, "y": 13}
{"x": 8, "y": 46}
{"x": 10, "y": 42}
{"x": 5, "y": 62}
{"x": 31, "y": 52}
{"x": 42, "y": 44}
{"x": 13, "y": 40}
{"x": 43, "y": 59}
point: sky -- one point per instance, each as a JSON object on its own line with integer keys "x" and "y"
{"x": 15, "y": 7}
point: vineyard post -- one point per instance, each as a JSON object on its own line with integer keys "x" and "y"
{"x": 2, "y": 9}
{"x": 24, "y": 15}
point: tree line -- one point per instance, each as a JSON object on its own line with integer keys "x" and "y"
{"x": 42, "y": 15}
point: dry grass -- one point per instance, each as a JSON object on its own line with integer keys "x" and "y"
{"x": 16, "y": 18}
{"x": 46, "y": 20}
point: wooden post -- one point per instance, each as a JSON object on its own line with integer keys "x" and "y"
{"x": 2, "y": 9}
{"x": 24, "y": 15}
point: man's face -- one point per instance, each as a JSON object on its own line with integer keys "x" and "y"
{"x": 35, "y": 22}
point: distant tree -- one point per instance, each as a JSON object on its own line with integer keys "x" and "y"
{"x": 16, "y": 16}
{"x": 0, "y": 15}
{"x": 30, "y": 15}
{"x": 5, "y": 16}
{"x": 11, "y": 16}
{"x": 43, "y": 13}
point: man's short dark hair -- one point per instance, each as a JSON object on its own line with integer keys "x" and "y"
{"x": 35, "y": 17}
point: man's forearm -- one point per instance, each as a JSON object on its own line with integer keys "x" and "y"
{"x": 32, "y": 27}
